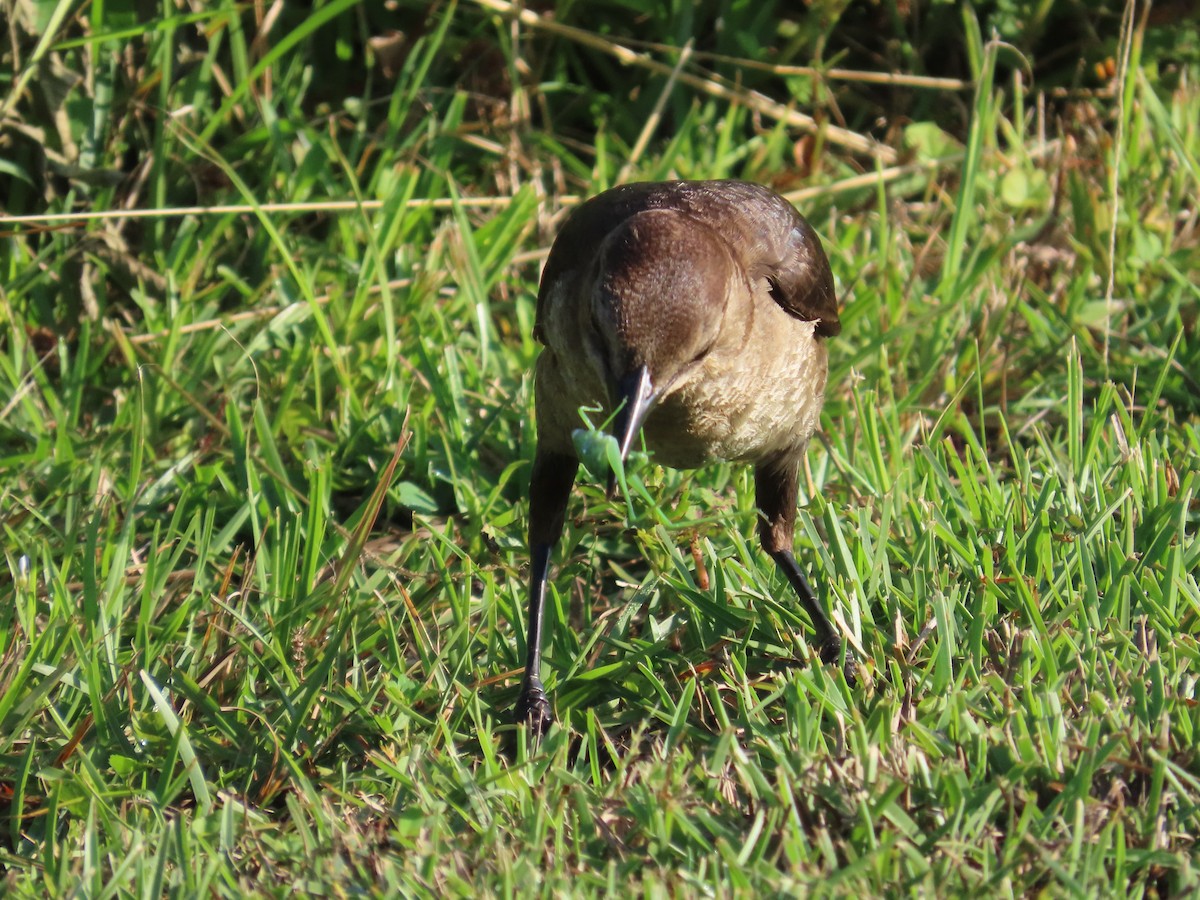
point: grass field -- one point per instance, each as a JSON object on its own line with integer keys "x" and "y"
{"x": 263, "y": 465}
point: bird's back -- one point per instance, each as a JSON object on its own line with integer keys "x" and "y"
{"x": 765, "y": 234}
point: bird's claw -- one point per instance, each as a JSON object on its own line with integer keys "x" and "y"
{"x": 533, "y": 708}
{"x": 831, "y": 652}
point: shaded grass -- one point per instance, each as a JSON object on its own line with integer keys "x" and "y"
{"x": 243, "y": 654}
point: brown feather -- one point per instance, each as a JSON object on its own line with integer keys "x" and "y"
{"x": 764, "y": 233}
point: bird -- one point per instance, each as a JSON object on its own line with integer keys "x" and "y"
{"x": 696, "y": 314}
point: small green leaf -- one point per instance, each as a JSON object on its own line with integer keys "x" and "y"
{"x": 929, "y": 141}
{"x": 1014, "y": 188}
{"x": 416, "y": 498}
{"x": 1024, "y": 189}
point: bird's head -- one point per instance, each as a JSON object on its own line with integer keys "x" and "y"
{"x": 662, "y": 283}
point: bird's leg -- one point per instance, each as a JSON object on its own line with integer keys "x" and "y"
{"x": 549, "y": 489}
{"x": 775, "y": 487}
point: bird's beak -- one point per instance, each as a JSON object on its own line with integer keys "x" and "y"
{"x": 636, "y": 395}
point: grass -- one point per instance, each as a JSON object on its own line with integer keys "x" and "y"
{"x": 263, "y": 471}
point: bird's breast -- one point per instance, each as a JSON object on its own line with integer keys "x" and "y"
{"x": 756, "y": 394}
{"x": 749, "y": 399}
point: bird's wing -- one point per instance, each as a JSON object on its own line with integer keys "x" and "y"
{"x": 801, "y": 281}
{"x": 776, "y": 243}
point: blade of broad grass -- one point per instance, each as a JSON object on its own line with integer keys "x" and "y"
{"x": 375, "y": 270}
{"x": 280, "y": 47}
{"x": 301, "y": 282}
{"x": 1164, "y": 125}
{"x": 983, "y": 114}
{"x": 187, "y": 754}
{"x": 358, "y": 538}
{"x": 58, "y": 14}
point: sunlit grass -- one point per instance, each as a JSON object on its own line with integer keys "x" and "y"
{"x": 248, "y": 647}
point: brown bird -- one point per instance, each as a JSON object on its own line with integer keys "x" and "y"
{"x": 697, "y": 311}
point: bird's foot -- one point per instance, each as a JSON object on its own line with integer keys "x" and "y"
{"x": 533, "y": 708}
{"x": 831, "y": 652}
